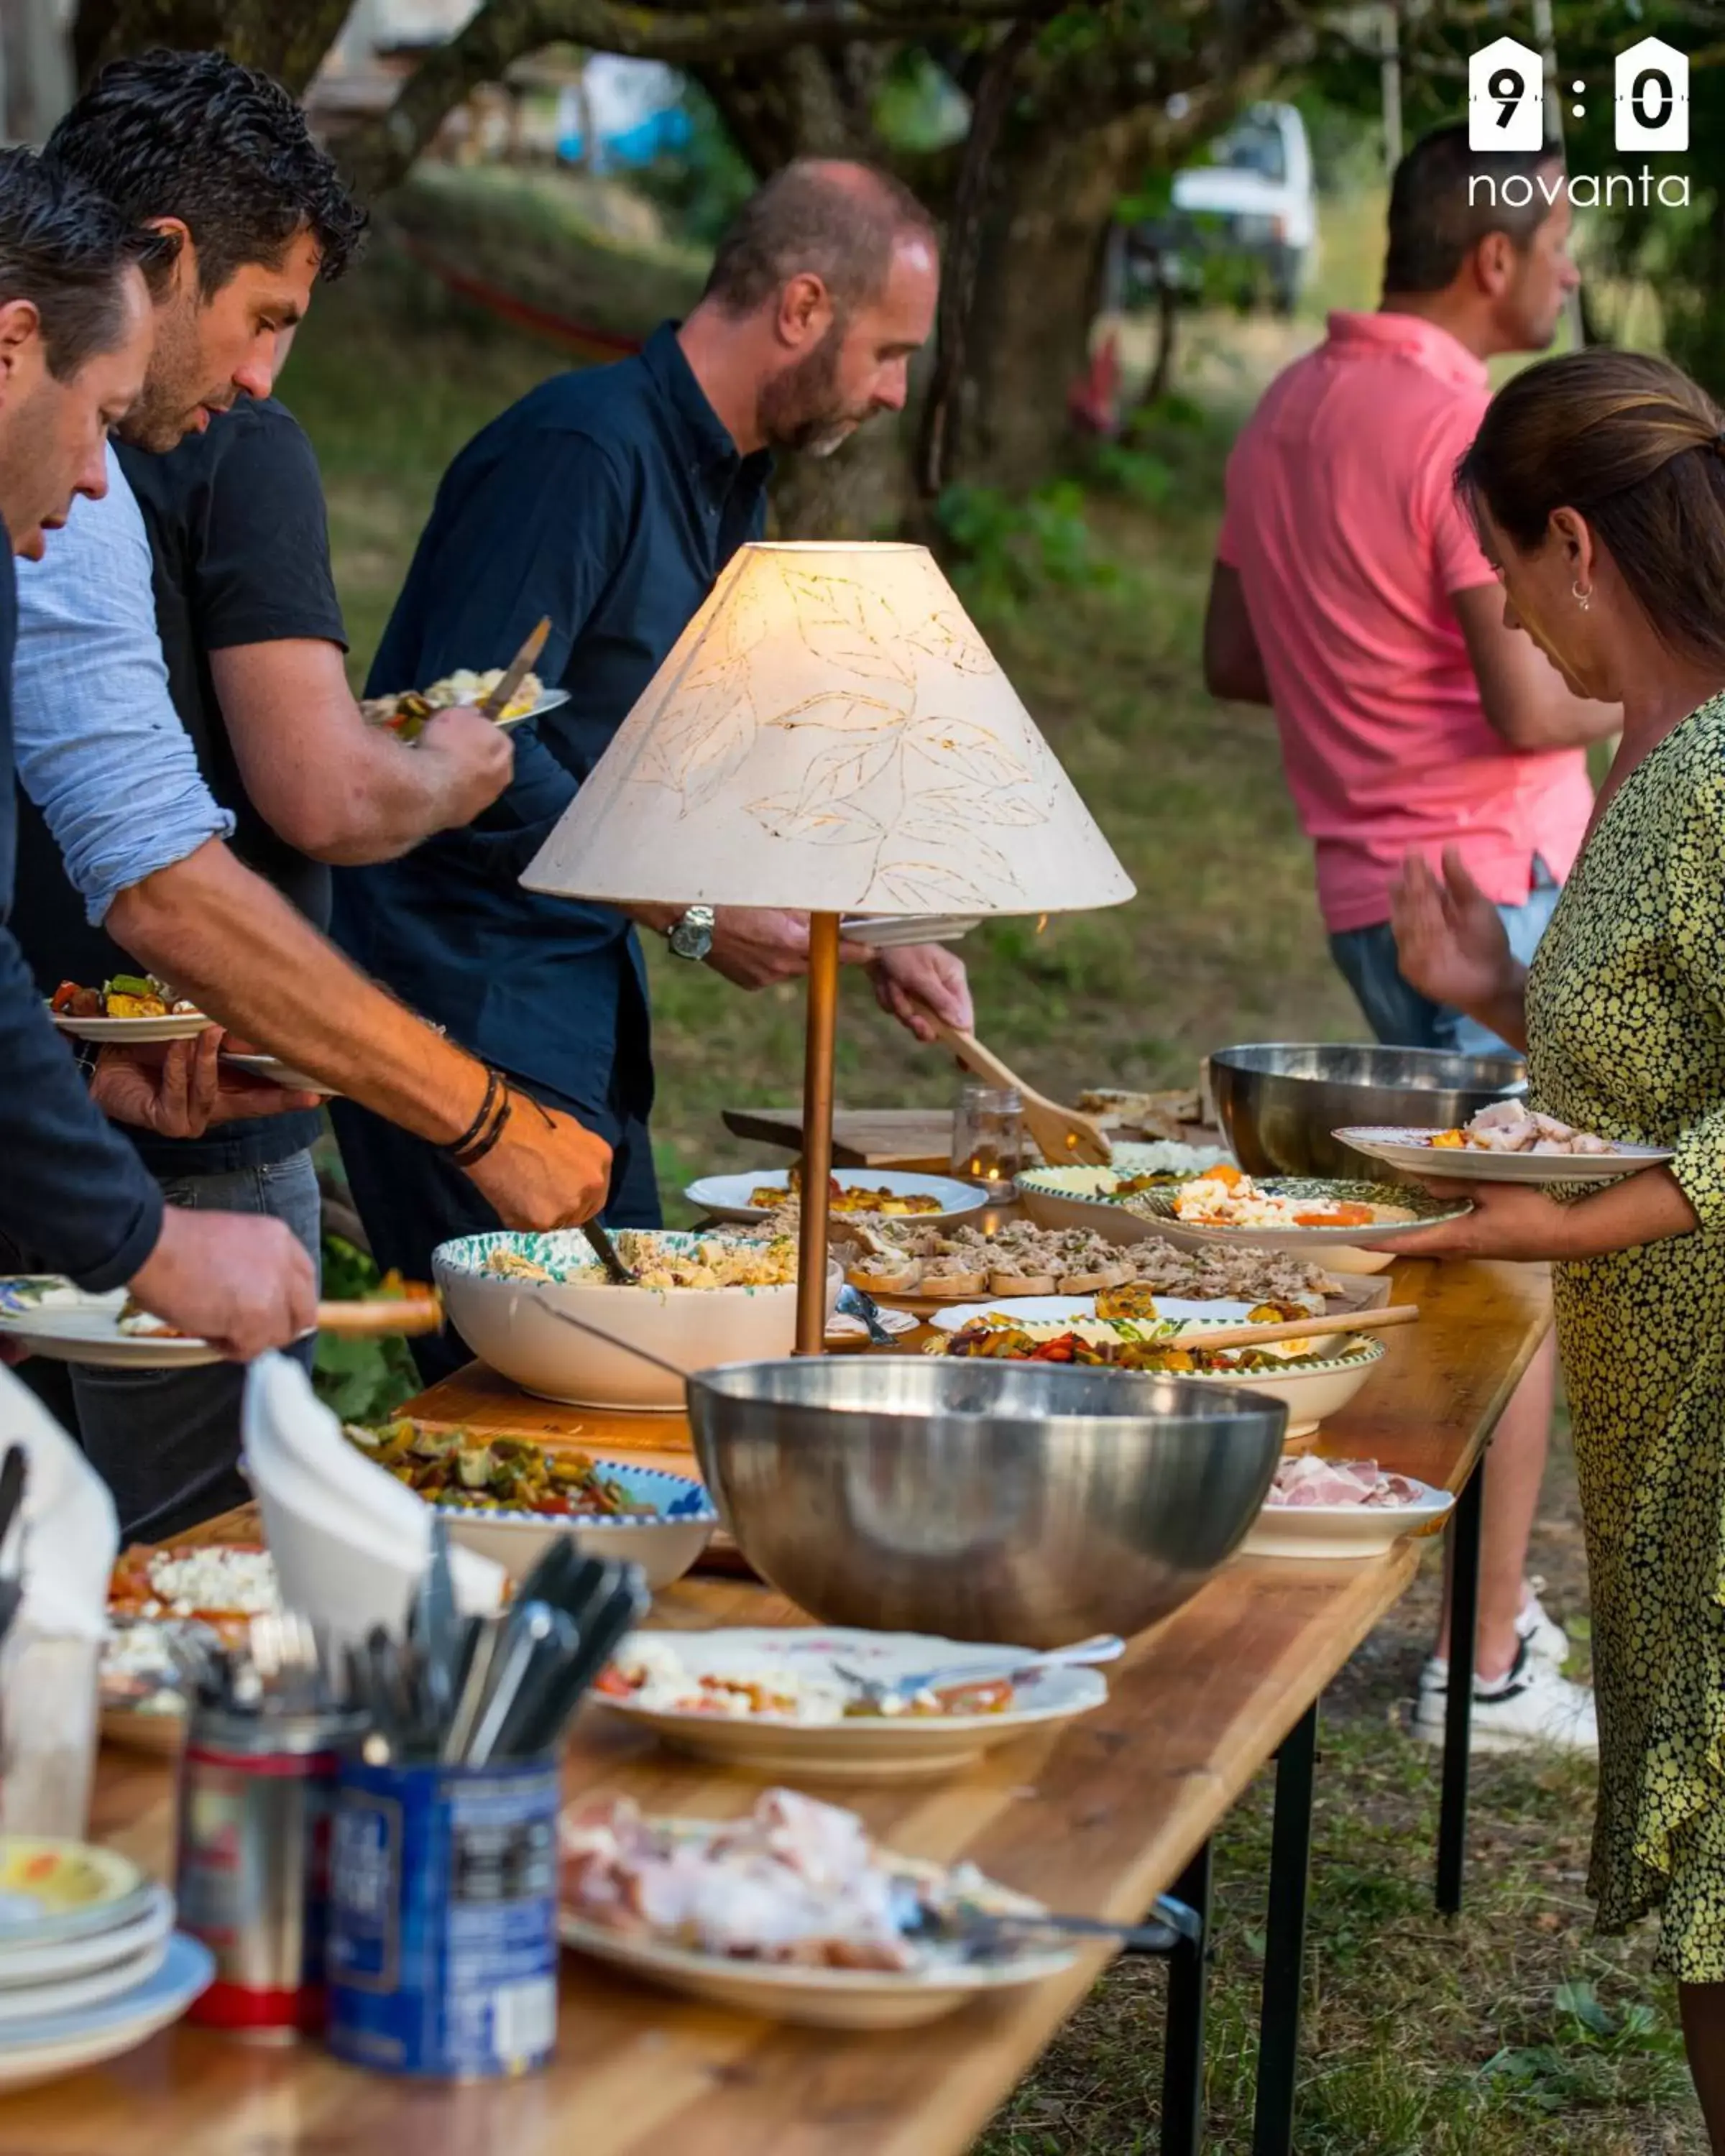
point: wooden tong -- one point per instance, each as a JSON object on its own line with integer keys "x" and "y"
{"x": 1292, "y": 1328}
{"x": 381, "y": 1316}
{"x": 1063, "y": 1134}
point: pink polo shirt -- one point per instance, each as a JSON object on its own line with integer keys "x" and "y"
{"x": 1342, "y": 522}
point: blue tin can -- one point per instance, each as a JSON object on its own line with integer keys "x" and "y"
{"x": 442, "y": 1955}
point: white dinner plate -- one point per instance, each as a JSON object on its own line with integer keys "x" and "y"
{"x": 1331, "y": 1532}
{"x": 39, "y": 2051}
{"x": 57, "y": 1960}
{"x": 726, "y": 1197}
{"x": 1413, "y": 1152}
{"x": 821, "y": 1998}
{"x": 46, "y": 1315}
{"x": 1066, "y": 1309}
{"x": 553, "y": 700}
{"x": 52, "y": 1890}
{"x": 133, "y": 1032}
{"x": 278, "y": 1073}
{"x": 886, "y": 931}
{"x": 868, "y": 1748}
{"x": 71, "y": 1994}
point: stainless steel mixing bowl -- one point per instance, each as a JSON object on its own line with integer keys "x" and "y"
{"x": 1278, "y": 1101}
{"x": 982, "y": 1501}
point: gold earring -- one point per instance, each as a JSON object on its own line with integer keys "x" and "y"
{"x": 1582, "y": 599}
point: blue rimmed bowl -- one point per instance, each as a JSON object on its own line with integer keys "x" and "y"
{"x": 665, "y": 1546}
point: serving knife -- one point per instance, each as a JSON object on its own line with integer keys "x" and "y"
{"x": 495, "y": 701}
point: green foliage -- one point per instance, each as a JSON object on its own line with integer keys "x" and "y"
{"x": 1004, "y": 551}
{"x": 359, "y": 1380}
{"x": 702, "y": 186}
{"x": 1586, "y": 2058}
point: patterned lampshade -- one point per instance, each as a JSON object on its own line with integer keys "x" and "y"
{"x": 830, "y": 734}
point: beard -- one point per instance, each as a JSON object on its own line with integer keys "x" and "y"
{"x": 167, "y": 411}
{"x": 802, "y": 408}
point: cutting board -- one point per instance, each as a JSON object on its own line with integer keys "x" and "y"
{"x": 916, "y": 1139}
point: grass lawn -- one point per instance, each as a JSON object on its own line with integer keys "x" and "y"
{"x": 1513, "y": 2030}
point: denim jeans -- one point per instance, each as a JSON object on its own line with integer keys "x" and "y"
{"x": 1398, "y": 1015}
{"x": 166, "y": 1442}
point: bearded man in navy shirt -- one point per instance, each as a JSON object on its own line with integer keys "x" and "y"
{"x": 609, "y": 501}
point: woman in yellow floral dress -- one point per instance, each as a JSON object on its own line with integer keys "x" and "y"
{"x": 1597, "y": 484}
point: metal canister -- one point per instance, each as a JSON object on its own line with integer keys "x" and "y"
{"x": 255, "y": 1796}
{"x": 443, "y": 1956}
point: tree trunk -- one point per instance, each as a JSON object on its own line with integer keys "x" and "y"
{"x": 287, "y": 38}
{"x": 861, "y": 491}
{"x": 1035, "y": 297}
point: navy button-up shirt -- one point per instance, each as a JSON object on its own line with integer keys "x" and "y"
{"x": 608, "y": 499}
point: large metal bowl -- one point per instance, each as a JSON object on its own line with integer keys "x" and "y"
{"x": 1278, "y": 1101}
{"x": 982, "y": 1501}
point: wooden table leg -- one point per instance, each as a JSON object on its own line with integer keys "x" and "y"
{"x": 1285, "y": 1940}
{"x": 1183, "y": 2037}
{"x": 1458, "y": 1705}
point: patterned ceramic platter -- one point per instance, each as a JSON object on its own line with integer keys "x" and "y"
{"x": 1399, "y": 1210}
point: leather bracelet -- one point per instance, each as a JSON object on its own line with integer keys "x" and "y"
{"x": 457, "y": 1146}
{"x": 477, "y": 1151}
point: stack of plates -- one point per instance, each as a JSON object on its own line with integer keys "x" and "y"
{"x": 90, "y": 1964}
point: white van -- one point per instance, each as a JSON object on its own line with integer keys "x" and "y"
{"x": 1255, "y": 202}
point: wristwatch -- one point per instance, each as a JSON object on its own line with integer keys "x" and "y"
{"x": 693, "y": 936}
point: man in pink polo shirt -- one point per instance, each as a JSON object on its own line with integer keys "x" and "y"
{"x": 1350, "y": 593}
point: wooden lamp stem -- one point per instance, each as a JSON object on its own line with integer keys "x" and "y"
{"x": 817, "y": 1132}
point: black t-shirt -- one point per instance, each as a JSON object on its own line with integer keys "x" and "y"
{"x": 240, "y": 544}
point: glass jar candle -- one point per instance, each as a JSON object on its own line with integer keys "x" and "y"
{"x": 988, "y": 1133}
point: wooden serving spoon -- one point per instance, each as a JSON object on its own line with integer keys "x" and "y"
{"x": 1063, "y": 1134}
{"x": 1292, "y": 1328}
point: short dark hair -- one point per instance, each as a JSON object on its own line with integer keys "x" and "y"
{"x": 64, "y": 248}
{"x": 1631, "y": 445}
{"x": 1445, "y": 199}
{"x": 226, "y": 149}
{"x": 839, "y": 220}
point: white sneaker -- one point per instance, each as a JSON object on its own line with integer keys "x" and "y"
{"x": 1547, "y": 1639}
{"x": 1533, "y": 1705}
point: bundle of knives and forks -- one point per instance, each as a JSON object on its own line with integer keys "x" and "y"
{"x": 459, "y": 1689}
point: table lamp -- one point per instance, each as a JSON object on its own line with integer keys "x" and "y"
{"x": 830, "y": 735}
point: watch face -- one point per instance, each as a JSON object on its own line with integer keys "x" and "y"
{"x": 693, "y": 935}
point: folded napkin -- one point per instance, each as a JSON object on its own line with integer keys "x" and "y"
{"x": 349, "y": 1541}
{"x": 47, "y": 1670}
{"x": 71, "y": 1531}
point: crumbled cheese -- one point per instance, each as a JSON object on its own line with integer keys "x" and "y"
{"x": 243, "y": 1581}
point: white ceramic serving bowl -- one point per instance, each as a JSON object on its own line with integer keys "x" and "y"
{"x": 664, "y": 1548}
{"x": 512, "y": 1324}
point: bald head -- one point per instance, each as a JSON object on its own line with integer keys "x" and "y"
{"x": 819, "y": 217}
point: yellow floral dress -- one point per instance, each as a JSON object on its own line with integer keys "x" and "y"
{"x": 1626, "y": 1036}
